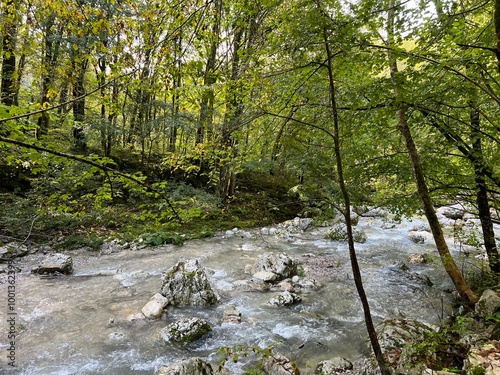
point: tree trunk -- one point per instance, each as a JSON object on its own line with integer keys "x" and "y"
{"x": 20, "y": 71}
{"x": 79, "y": 137}
{"x": 172, "y": 141}
{"x": 8, "y": 89}
{"x": 347, "y": 214}
{"x": 51, "y": 54}
{"x": 496, "y": 20}
{"x": 482, "y": 192}
{"x": 449, "y": 264}
{"x": 205, "y": 121}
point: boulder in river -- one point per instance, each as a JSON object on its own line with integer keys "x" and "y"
{"x": 231, "y": 315}
{"x": 265, "y": 276}
{"x": 278, "y": 364}
{"x": 399, "y": 338}
{"x": 53, "y": 263}
{"x": 453, "y": 212}
{"x": 154, "y": 308}
{"x": 185, "y": 331}
{"x": 279, "y": 264}
{"x": 13, "y": 250}
{"x": 186, "y": 284}
{"x": 190, "y": 366}
{"x": 339, "y": 233}
{"x": 333, "y": 366}
{"x": 285, "y": 299}
{"x": 488, "y": 303}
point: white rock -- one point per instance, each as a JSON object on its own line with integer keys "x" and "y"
{"x": 154, "y": 308}
{"x": 265, "y": 276}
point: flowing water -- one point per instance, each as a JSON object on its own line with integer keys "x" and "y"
{"x": 80, "y": 324}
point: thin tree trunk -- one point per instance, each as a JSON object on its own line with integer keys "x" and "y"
{"x": 79, "y": 137}
{"x": 8, "y": 89}
{"x": 496, "y": 19}
{"x": 347, "y": 214}
{"x": 482, "y": 192}
{"x": 49, "y": 59}
{"x": 20, "y": 71}
{"x": 450, "y": 266}
{"x": 172, "y": 142}
{"x": 208, "y": 97}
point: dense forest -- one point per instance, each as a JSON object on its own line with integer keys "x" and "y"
{"x": 167, "y": 120}
{"x": 161, "y": 118}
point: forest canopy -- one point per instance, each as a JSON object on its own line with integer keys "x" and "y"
{"x": 156, "y": 115}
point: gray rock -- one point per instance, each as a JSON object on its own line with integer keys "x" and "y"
{"x": 297, "y": 225}
{"x": 333, "y": 366}
{"x": 452, "y": 212}
{"x": 57, "y": 262}
{"x": 278, "y": 263}
{"x": 285, "y": 299}
{"x": 231, "y": 315}
{"x": 186, "y": 284}
{"x": 418, "y": 258}
{"x": 114, "y": 246}
{"x": 185, "y": 331}
{"x": 286, "y": 285}
{"x": 418, "y": 237}
{"x": 395, "y": 333}
{"x": 265, "y": 276}
{"x": 190, "y": 366}
{"x": 279, "y": 365}
{"x": 12, "y": 250}
{"x": 485, "y": 359}
{"x": 397, "y": 336}
{"x": 339, "y": 233}
{"x": 488, "y": 303}
{"x": 154, "y": 308}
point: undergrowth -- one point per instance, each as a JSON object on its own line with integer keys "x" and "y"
{"x": 40, "y": 217}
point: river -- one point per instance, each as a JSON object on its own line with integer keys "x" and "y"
{"x": 81, "y": 324}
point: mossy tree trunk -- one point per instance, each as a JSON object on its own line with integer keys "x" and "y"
{"x": 449, "y": 264}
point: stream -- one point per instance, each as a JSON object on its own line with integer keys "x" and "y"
{"x": 81, "y": 324}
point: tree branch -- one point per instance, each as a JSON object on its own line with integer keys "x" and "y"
{"x": 93, "y": 163}
{"x": 37, "y": 112}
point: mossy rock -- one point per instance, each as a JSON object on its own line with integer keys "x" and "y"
{"x": 185, "y": 331}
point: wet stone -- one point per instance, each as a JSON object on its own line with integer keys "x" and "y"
{"x": 231, "y": 315}
{"x": 333, "y": 366}
{"x": 154, "y": 308}
{"x": 278, "y": 263}
{"x": 190, "y": 366}
{"x": 185, "y": 331}
{"x": 285, "y": 299}
{"x": 53, "y": 263}
{"x": 186, "y": 284}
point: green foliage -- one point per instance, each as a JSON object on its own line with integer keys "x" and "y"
{"x": 478, "y": 370}
{"x": 76, "y": 241}
{"x": 339, "y": 233}
{"x": 443, "y": 349}
{"x": 162, "y": 238}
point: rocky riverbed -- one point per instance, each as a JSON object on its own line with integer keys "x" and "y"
{"x": 90, "y": 321}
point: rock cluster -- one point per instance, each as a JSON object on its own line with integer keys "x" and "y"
{"x": 400, "y": 339}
